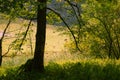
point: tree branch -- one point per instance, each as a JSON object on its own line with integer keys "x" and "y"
{"x": 24, "y": 37}
{"x": 67, "y": 27}
{"x": 5, "y": 29}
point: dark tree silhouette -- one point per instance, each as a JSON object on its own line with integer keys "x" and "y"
{"x": 1, "y": 40}
{"x": 38, "y": 60}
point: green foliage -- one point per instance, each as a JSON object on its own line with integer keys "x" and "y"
{"x": 82, "y": 70}
{"x": 98, "y": 32}
{"x": 19, "y": 8}
{"x": 105, "y": 29}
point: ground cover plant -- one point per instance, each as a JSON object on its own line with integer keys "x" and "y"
{"x": 95, "y": 69}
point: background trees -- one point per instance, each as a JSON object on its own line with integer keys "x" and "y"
{"x": 95, "y": 29}
{"x": 102, "y": 26}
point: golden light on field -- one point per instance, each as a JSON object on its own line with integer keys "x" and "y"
{"x": 54, "y": 41}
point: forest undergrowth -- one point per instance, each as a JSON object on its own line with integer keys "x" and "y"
{"x": 82, "y": 69}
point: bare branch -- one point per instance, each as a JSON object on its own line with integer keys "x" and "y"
{"x": 5, "y": 29}
{"x": 7, "y": 51}
{"x": 24, "y": 37}
{"x": 67, "y": 27}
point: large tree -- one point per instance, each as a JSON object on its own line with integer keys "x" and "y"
{"x": 38, "y": 60}
{"x": 37, "y": 63}
{"x": 20, "y": 9}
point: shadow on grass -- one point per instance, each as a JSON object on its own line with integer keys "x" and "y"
{"x": 68, "y": 71}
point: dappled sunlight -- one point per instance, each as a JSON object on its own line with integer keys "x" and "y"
{"x": 60, "y": 40}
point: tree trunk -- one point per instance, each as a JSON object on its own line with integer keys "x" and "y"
{"x": 38, "y": 60}
{"x": 1, "y": 40}
{"x": 0, "y": 52}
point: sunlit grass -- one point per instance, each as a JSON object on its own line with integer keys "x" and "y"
{"x": 54, "y": 48}
{"x": 85, "y": 69}
{"x": 54, "y": 41}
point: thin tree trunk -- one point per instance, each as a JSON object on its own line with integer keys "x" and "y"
{"x": 1, "y": 40}
{"x": 38, "y": 60}
{"x": 0, "y": 52}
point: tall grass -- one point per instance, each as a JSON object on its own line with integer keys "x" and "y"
{"x": 63, "y": 66}
{"x": 15, "y": 60}
{"x": 95, "y": 69}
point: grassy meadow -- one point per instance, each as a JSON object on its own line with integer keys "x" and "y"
{"x": 59, "y": 63}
